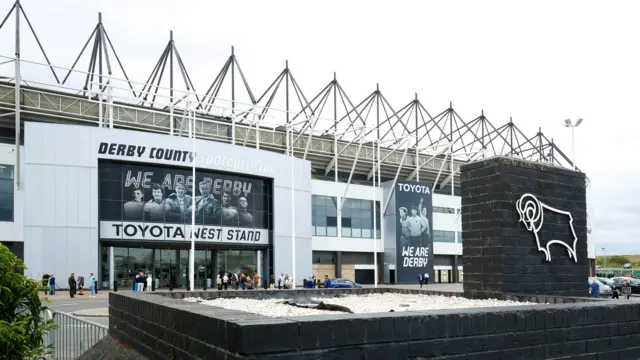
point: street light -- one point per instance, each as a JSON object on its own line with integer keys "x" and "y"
{"x": 605, "y": 257}
{"x": 567, "y": 123}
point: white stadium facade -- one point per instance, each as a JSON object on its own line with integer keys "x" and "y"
{"x": 96, "y": 170}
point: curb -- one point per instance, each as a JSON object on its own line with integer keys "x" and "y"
{"x": 88, "y": 315}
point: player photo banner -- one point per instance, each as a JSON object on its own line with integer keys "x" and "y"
{"x": 154, "y": 202}
{"x": 168, "y": 232}
{"x": 414, "y": 231}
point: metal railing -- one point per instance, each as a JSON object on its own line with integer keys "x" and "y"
{"x": 73, "y": 335}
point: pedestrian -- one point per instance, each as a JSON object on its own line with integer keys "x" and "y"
{"x": 52, "y": 285}
{"x": 144, "y": 282}
{"x": 236, "y": 280}
{"x": 92, "y": 285}
{"x": 81, "y": 285}
{"x": 256, "y": 281}
{"x": 626, "y": 290}
{"x": 614, "y": 291}
{"x": 420, "y": 279}
{"x": 595, "y": 288}
{"x": 225, "y": 281}
{"x": 72, "y": 286}
{"x": 149, "y": 283}
{"x": 281, "y": 281}
{"x": 140, "y": 282}
{"x": 219, "y": 282}
{"x": 426, "y": 279}
{"x": 45, "y": 283}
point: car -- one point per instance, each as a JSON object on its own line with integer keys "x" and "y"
{"x": 343, "y": 283}
{"x": 605, "y": 280}
{"x": 627, "y": 266}
{"x": 603, "y": 290}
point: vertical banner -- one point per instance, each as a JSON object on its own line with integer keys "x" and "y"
{"x": 414, "y": 231}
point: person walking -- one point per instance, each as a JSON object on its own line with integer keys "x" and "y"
{"x": 614, "y": 291}
{"x": 626, "y": 290}
{"x": 426, "y": 279}
{"x": 52, "y": 285}
{"x": 72, "y": 286}
{"x": 420, "y": 280}
{"x": 595, "y": 289}
{"x": 92, "y": 285}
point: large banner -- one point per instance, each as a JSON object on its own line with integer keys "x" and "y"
{"x": 145, "y": 202}
{"x": 414, "y": 231}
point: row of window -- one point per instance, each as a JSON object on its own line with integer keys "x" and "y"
{"x": 356, "y": 217}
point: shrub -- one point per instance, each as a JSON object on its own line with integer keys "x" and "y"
{"x": 22, "y": 321}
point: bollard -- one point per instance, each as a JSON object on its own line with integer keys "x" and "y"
{"x": 115, "y": 286}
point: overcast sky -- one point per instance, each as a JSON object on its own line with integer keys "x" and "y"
{"x": 538, "y": 62}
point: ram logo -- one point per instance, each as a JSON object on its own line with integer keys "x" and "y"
{"x": 532, "y": 215}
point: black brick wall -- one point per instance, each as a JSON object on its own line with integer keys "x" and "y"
{"x": 500, "y": 255}
{"x": 158, "y": 327}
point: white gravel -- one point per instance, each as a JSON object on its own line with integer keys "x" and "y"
{"x": 371, "y": 303}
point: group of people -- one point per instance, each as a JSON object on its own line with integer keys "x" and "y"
{"x": 625, "y": 290}
{"x": 316, "y": 283}
{"x": 76, "y": 285}
{"x": 242, "y": 281}
{"x": 285, "y": 282}
{"x": 143, "y": 282}
{"x": 423, "y": 279}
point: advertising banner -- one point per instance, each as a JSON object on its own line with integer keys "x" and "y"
{"x": 414, "y": 231}
{"x": 146, "y": 202}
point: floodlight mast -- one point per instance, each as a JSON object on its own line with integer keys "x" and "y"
{"x": 568, "y": 123}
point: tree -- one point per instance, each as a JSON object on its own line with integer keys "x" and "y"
{"x": 22, "y": 321}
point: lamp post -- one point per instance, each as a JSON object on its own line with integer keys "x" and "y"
{"x": 191, "y": 118}
{"x": 605, "y": 257}
{"x": 568, "y": 123}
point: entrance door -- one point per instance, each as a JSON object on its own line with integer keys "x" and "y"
{"x": 164, "y": 267}
{"x": 204, "y": 268}
{"x": 202, "y": 265}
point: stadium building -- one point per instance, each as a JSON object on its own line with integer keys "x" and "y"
{"x": 97, "y": 173}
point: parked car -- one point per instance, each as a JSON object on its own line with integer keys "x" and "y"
{"x": 627, "y": 266}
{"x": 605, "y": 280}
{"x": 634, "y": 283}
{"x": 603, "y": 290}
{"x": 343, "y": 283}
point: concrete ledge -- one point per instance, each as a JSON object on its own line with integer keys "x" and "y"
{"x": 163, "y": 327}
{"x": 278, "y": 294}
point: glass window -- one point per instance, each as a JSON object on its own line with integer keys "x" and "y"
{"x": 324, "y": 212}
{"x": 6, "y": 192}
{"x": 356, "y": 221}
{"x": 324, "y": 257}
{"x": 444, "y": 210}
{"x": 443, "y": 236}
